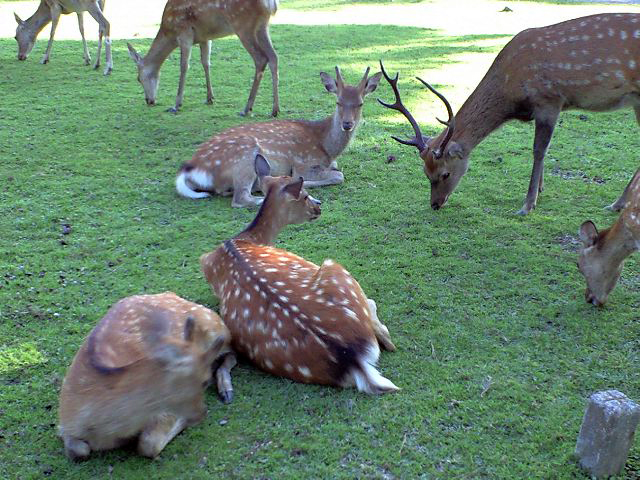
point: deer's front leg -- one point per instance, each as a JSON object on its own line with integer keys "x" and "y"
{"x": 186, "y": 43}
{"x": 205, "y": 58}
{"x": 87, "y": 57}
{"x": 318, "y": 175}
{"x": 223, "y": 378}
{"x": 622, "y": 201}
{"x": 55, "y": 17}
{"x": 160, "y": 431}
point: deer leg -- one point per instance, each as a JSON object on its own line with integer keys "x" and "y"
{"x": 242, "y": 197}
{"x": 55, "y": 17}
{"x": 158, "y": 433}
{"x": 96, "y": 65}
{"x": 87, "y": 57}
{"x": 76, "y": 449}
{"x": 260, "y": 61}
{"x": 223, "y": 378}
{"x": 205, "y": 58}
{"x": 186, "y": 43}
{"x": 318, "y": 176}
{"x": 544, "y": 131}
{"x": 621, "y": 202}
{"x": 380, "y": 330}
{"x": 264, "y": 41}
{"x": 105, "y": 29}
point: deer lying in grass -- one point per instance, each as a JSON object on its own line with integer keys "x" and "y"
{"x": 300, "y": 148}
{"x": 141, "y": 373}
{"x": 290, "y": 317}
{"x": 50, "y": 11}
{"x": 603, "y": 253}
{"x": 185, "y": 22}
{"x": 590, "y": 63}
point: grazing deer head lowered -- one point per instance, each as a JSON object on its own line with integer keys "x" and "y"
{"x": 589, "y": 63}
{"x": 142, "y": 372}
{"x": 288, "y": 316}
{"x": 300, "y": 148}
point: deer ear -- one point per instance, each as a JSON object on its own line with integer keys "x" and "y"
{"x": 454, "y": 150}
{"x": 135, "y": 56}
{"x": 372, "y": 83}
{"x": 261, "y": 166}
{"x": 329, "y": 82}
{"x": 189, "y": 328}
{"x": 588, "y": 233}
{"x": 18, "y": 20}
{"x": 294, "y": 188}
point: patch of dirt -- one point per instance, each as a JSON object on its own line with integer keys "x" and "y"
{"x": 571, "y": 174}
{"x": 569, "y": 243}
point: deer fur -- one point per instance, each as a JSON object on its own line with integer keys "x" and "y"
{"x": 141, "y": 373}
{"x": 225, "y": 164}
{"x": 287, "y": 315}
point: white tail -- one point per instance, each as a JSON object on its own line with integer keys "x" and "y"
{"x": 188, "y": 181}
{"x": 187, "y": 22}
{"x": 28, "y": 30}
{"x": 589, "y": 63}
{"x": 142, "y": 371}
{"x": 294, "y": 147}
{"x": 290, "y": 317}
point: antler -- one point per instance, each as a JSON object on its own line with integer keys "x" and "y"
{"x": 438, "y": 152}
{"x": 418, "y": 140}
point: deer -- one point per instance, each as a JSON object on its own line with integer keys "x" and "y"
{"x": 288, "y": 316}
{"x": 602, "y": 254}
{"x": 590, "y": 63}
{"x": 50, "y": 11}
{"x": 141, "y": 374}
{"x": 188, "y": 22}
{"x": 224, "y": 165}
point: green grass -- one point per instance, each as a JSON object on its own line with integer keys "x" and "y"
{"x": 474, "y": 296}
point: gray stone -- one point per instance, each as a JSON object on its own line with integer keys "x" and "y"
{"x": 606, "y": 434}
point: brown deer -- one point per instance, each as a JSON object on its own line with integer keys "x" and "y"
{"x": 290, "y": 317}
{"x": 603, "y": 253}
{"x": 590, "y": 63}
{"x": 50, "y": 11}
{"x": 185, "y": 22}
{"x": 142, "y": 372}
{"x": 300, "y": 148}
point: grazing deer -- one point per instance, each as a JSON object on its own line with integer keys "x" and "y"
{"x": 142, "y": 372}
{"x": 290, "y": 317}
{"x": 300, "y": 148}
{"x": 590, "y": 63}
{"x": 50, "y": 11}
{"x": 185, "y": 22}
{"x": 603, "y": 253}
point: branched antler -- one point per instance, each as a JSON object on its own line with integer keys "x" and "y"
{"x": 438, "y": 152}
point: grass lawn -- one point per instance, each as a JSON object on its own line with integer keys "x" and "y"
{"x": 497, "y": 350}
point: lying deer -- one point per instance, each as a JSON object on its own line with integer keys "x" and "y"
{"x": 141, "y": 373}
{"x": 290, "y": 317}
{"x": 50, "y": 11}
{"x": 591, "y": 63}
{"x": 603, "y": 253}
{"x": 300, "y": 148}
{"x": 185, "y": 22}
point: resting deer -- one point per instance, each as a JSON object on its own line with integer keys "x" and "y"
{"x": 591, "y": 63}
{"x": 142, "y": 372}
{"x": 603, "y": 253}
{"x": 300, "y": 148}
{"x": 290, "y": 317}
{"x": 50, "y": 11}
{"x": 185, "y": 22}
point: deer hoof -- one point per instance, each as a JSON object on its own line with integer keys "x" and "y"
{"x": 173, "y": 110}
{"x": 523, "y": 211}
{"x": 209, "y": 101}
{"x": 44, "y": 61}
{"x": 226, "y": 397}
{"x": 275, "y": 112}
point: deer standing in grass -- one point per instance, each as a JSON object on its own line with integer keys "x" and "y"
{"x": 142, "y": 372}
{"x": 590, "y": 63}
{"x": 50, "y": 11}
{"x": 186, "y": 22}
{"x": 300, "y": 148}
{"x": 290, "y": 317}
{"x": 603, "y": 253}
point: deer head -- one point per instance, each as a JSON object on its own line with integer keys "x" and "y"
{"x": 25, "y": 37}
{"x": 350, "y": 98}
{"x": 149, "y": 78}
{"x": 445, "y": 161}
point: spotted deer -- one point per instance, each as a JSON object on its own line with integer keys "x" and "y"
{"x": 603, "y": 253}
{"x": 141, "y": 373}
{"x": 225, "y": 164}
{"x": 187, "y": 22}
{"x": 50, "y": 11}
{"x": 288, "y": 316}
{"x": 591, "y": 63}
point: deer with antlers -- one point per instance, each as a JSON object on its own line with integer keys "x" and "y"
{"x": 50, "y": 11}
{"x": 187, "y": 22}
{"x": 603, "y": 253}
{"x": 225, "y": 164}
{"x": 590, "y": 63}
{"x": 288, "y": 316}
{"x": 141, "y": 373}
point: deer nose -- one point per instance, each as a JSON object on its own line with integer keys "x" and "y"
{"x": 22, "y": 56}
{"x": 347, "y": 126}
{"x": 591, "y": 298}
{"x": 150, "y": 102}
{"x": 435, "y": 206}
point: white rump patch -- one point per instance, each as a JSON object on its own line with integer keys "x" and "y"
{"x": 366, "y": 377}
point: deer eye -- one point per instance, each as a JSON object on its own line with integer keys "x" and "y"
{"x": 445, "y": 175}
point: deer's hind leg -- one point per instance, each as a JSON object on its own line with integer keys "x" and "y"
{"x": 381, "y": 331}
{"x": 205, "y": 59}
{"x": 55, "y": 17}
{"x": 223, "y": 378}
{"x": 105, "y": 29}
{"x": 622, "y": 201}
{"x": 158, "y": 433}
{"x": 317, "y": 175}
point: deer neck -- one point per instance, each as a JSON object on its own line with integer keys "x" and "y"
{"x": 36, "y": 22}
{"x": 334, "y": 139}
{"x": 161, "y": 48}
{"x": 617, "y": 244}
{"x": 264, "y": 229}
